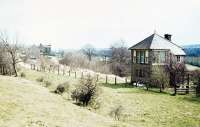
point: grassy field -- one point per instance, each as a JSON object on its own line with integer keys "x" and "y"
{"x": 29, "y": 101}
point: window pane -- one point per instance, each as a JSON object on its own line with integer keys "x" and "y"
{"x": 138, "y": 56}
{"x": 147, "y": 53}
{"x": 134, "y": 53}
{"x": 159, "y": 57}
{"x": 142, "y": 56}
{"x": 162, "y": 57}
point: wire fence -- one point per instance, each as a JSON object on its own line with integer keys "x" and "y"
{"x": 103, "y": 78}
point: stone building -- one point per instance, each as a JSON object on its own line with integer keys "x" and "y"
{"x": 154, "y": 50}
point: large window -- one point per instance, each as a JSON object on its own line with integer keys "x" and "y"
{"x": 178, "y": 58}
{"x": 159, "y": 56}
{"x": 141, "y": 56}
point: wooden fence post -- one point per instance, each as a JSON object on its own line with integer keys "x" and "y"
{"x": 115, "y": 80}
{"x": 75, "y": 74}
{"x": 106, "y": 79}
{"x": 58, "y": 70}
{"x": 69, "y": 72}
{"x": 188, "y": 83}
{"x": 63, "y": 72}
{"x": 126, "y": 80}
{"x": 97, "y": 77}
{"x": 81, "y": 74}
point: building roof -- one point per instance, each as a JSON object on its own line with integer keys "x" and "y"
{"x": 156, "y": 41}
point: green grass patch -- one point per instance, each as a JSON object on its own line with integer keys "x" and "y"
{"x": 140, "y": 107}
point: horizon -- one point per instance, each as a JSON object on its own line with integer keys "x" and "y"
{"x": 72, "y": 24}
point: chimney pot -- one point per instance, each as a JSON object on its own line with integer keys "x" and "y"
{"x": 168, "y": 37}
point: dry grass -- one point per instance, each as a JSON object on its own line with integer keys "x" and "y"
{"x": 25, "y": 103}
{"x": 140, "y": 107}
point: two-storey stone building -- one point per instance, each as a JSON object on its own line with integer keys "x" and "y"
{"x": 153, "y": 51}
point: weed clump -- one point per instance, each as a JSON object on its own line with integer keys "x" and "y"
{"x": 61, "y": 88}
{"x": 22, "y": 75}
{"x": 40, "y": 79}
{"x": 117, "y": 112}
{"x": 47, "y": 83}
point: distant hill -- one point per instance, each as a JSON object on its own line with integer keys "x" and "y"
{"x": 192, "y": 50}
{"x": 191, "y": 46}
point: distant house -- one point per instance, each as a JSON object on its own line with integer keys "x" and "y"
{"x": 153, "y": 51}
{"x": 45, "y": 49}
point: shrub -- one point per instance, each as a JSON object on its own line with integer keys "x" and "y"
{"x": 22, "y": 74}
{"x": 75, "y": 95}
{"x": 40, "y": 79}
{"x": 95, "y": 103}
{"x": 60, "y": 89}
{"x": 159, "y": 78}
{"x": 117, "y": 112}
{"x": 85, "y": 91}
{"x": 47, "y": 83}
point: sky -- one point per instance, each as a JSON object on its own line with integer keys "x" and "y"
{"x": 75, "y": 23}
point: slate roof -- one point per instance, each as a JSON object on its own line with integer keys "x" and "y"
{"x": 156, "y": 41}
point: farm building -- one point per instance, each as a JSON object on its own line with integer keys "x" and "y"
{"x": 154, "y": 50}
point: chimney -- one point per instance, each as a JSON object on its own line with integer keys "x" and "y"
{"x": 168, "y": 37}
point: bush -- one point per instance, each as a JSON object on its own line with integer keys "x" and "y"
{"x": 61, "y": 88}
{"x": 47, "y": 83}
{"x": 40, "y": 79}
{"x": 117, "y": 112}
{"x": 85, "y": 91}
{"x": 22, "y": 74}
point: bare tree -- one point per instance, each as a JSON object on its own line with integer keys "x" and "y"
{"x": 176, "y": 72}
{"x": 159, "y": 77}
{"x": 120, "y": 58}
{"x": 89, "y": 51}
{"x": 11, "y": 49}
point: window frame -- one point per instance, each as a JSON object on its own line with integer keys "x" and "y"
{"x": 178, "y": 58}
{"x": 158, "y": 56}
{"x": 141, "y": 57}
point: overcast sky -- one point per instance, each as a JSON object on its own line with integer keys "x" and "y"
{"x": 74, "y": 23}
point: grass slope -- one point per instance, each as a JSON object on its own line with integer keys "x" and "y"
{"x": 141, "y": 108}
{"x": 152, "y": 109}
{"x": 25, "y": 103}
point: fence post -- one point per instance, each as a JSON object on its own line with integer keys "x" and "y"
{"x": 58, "y": 70}
{"x": 97, "y": 77}
{"x": 126, "y": 80}
{"x": 115, "y": 80}
{"x": 49, "y": 68}
{"x": 63, "y": 72}
{"x": 106, "y": 79}
{"x": 188, "y": 83}
{"x": 81, "y": 74}
{"x": 75, "y": 74}
{"x": 69, "y": 72}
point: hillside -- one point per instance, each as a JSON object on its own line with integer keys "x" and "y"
{"x": 25, "y": 103}
{"x": 192, "y": 50}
